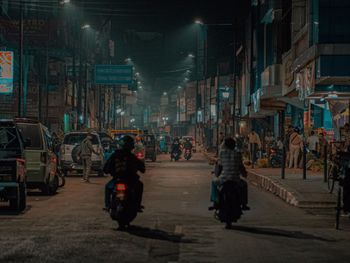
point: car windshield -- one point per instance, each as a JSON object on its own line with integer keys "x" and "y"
{"x": 10, "y": 145}
{"x": 31, "y": 132}
{"x": 77, "y": 138}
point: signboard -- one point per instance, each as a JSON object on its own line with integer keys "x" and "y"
{"x": 6, "y": 72}
{"x": 113, "y": 74}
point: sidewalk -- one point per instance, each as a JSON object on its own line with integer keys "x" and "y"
{"x": 309, "y": 193}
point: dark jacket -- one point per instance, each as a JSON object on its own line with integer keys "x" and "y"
{"x": 124, "y": 165}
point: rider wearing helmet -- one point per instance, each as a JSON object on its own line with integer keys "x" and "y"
{"x": 175, "y": 147}
{"x": 124, "y": 165}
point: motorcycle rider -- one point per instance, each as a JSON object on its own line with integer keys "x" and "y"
{"x": 123, "y": 165}
{"x": 175, "y": 147}
{"x": 187, "y": 144}
{"x": 232, "y": 168}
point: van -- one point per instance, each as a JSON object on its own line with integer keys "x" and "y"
{"x": 41, "y": 161}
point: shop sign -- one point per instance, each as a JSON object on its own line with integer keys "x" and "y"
{"x": 6, "y": 72}
{"x": 305, "y": 81}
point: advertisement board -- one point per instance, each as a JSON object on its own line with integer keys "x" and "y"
{"x": 113, "y": 74}
{"x": 6, "y": 72}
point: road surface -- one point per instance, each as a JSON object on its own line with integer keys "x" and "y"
{"x": 175, "y": 226}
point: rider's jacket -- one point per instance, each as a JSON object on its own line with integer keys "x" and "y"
{"x": 124, "y": 165}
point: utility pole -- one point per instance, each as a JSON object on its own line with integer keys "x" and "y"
{"x": 217, "y": 108}
{"x": 234, "y": 79}
{"x": 20, "y": 86}
{"x": 196, "y": 106}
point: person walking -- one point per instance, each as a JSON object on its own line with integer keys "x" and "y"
{"x": 295, "y": 146}
{"x": 85, "y": 153}
{"x": 254, "y": 145}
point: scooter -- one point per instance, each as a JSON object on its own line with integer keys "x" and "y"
{"x": 229, "y": 207}
{"x": 124, "y": 205}
{"x": 175, "y": 155}
{"x": 276, "y": 158}
{"x": 187, "y": 154}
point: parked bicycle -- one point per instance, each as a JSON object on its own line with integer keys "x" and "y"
{"x": 334, "y": 165}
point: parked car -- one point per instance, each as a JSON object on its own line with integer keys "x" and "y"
{"x": 12, "y": 166}
{"x": 69, "y": 152}
{"x": 41, "y": 161}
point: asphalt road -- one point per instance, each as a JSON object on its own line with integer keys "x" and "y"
{"x": 175, "y": 226}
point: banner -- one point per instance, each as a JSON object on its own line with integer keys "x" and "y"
{"x": 6, "y": 72}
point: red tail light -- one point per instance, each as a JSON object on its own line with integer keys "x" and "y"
{"x": 121, "y": 187}
{"x": 139, "y": 155}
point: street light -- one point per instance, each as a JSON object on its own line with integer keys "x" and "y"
{"x": 165, "y": 93}
{"x": 128, "y": 60}
{"x": 86, "y": 26}
{"x": 179, "y": 87}
{"x": 198, "y": 21}
{"x": 65, "y": 2}
{"x": 191, "y": 55}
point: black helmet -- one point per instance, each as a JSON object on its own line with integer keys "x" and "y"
{"x": 128, "y": 143}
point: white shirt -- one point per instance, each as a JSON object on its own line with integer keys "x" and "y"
{"x": 312, "y": 142}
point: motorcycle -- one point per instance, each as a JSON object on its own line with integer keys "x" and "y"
{"x": 229, "y": 207}
{"x": 175, "y": 155}
{"x": 187, "y": 154}
{"x": 276, "y": 158}
{"x": 124, "y": 206}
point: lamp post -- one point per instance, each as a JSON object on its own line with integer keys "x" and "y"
{"x": 205, "y": 26}
{"x": 20, "y": 86}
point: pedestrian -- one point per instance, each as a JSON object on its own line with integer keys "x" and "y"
{"x": 221, "y": 138}
{"x": 313, "y": 143}
{"x": 289, "y": 132}
{"x": 254, "y": 145}
{"x": 323, "y": 143}
{"x": 85, "y": 153}
{"x": 269, "y": 141}
{"x": 279, "y": 144}
{"x": 295, "y": 146}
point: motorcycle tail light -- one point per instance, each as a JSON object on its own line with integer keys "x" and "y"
{"x": 121, "y": 187}
{"x": 139, "y": 155}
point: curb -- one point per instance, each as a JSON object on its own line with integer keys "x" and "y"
{"x": 281, "y": 191}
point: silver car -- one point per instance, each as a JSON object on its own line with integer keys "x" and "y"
{"x": 69, "y": 160}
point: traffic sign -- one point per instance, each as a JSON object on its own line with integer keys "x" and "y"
{"x": 113, "y": 74}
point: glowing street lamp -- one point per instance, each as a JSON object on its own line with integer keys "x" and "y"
{"x": 65, "y": 2}
{"x": 198, "y": 22}
{"x": 190, "y": 55}
{"x": 86, "y": 26}
{"x": 165, "y": 93}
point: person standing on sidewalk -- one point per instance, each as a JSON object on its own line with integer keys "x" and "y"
{"x": 254, "y": 145}
{"x": 323, "y": 143}
{"x": 85, "y": 153}
{"x": 289, "y": 132}
{"x": 313, "y": 143}
{"x": 295, "y": 146}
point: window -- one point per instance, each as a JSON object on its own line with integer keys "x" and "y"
{"x": 31, "y": 133}
{"x": 10, "y": 145}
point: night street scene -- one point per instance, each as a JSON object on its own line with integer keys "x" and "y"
{"x": 174, "y": 131}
